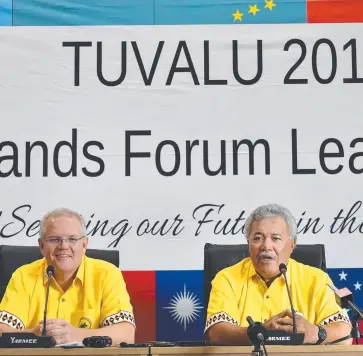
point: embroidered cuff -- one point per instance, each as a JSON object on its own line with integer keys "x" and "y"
{"x": 219, "y": 318}
{"x": 339, "y": 316}
{"x": 119, "y": 317}
{"x": 11, "y": 320}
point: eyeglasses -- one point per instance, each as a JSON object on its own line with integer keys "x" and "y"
{"x": 56, "y": 240}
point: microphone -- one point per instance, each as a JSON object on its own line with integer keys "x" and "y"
{"x": 344, "y": 298}
{"x": 50, "y": 273}
{"x": 256, "y": 331}
{"x": 283, "y": 270}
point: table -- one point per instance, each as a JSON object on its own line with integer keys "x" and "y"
{"x": 320, "y": 350}
{"x": 107, "y": 351}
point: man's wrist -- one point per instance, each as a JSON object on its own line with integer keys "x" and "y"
{"x": 80, "y": 334}
{"x": 83, "y": 333}
{"x": 314, "y": 334}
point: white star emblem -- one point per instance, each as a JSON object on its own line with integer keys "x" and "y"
{"x": 343, "y": 276}
{"x": 185, "y": 307}
{"x": 357, "y": 286}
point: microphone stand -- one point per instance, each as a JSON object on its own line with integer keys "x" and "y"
{"x": 355, "y": 329}
{"x": 44, "y": 331}
{"x": 357, "y": 315}
{"x": 283, "y": 271}
{"x": 257, "y": 349}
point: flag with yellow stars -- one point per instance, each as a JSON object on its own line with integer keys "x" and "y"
{"x": 194, "y": 12}
{"x": 200, "y": 12}
{"x": 269, "y": 11}
{"x": 235, "y": 11}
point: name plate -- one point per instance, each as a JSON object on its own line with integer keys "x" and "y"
{"x": 280, "y": 337}
{"x": 26, "y": 340}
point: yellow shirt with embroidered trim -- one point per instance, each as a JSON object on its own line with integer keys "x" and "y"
{"x": 97, "y": 297}
{"x": 238, "y": 291}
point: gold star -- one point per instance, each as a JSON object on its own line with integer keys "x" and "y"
{"x": 269, "y": 4}
{"x": 253, "y": 9}
{"x": 237, "y": 16}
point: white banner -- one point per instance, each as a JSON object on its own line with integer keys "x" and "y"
{"x": 165, "y": 138}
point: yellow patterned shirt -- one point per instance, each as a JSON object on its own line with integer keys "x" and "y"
{"x": 238, "y": 291}
{"x": 97, "y": 297}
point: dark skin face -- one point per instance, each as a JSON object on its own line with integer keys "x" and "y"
{"x": 269, "y": 245}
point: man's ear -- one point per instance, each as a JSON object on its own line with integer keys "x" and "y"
{"x": 85, "y": 244}
{"x": 293, "y": 245}
{"x": 248, "y": 245}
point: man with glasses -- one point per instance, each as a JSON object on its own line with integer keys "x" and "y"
{"x": 87, "y": 297}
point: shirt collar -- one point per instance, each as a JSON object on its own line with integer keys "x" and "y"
{"x": 80, "y": 272}
{"x": 44, "y": 270}
{"x": 251, "y": 271}
{"x": 79, "y": 275}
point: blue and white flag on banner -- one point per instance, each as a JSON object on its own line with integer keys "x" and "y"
{"x": 179, "y": 305}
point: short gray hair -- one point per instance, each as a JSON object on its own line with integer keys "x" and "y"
{"x": 61, "y": 212}
{"x": 270, "y": 211}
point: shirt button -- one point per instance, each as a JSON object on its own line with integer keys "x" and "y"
{"x": 264, "y": 320}
{"x": 63, "y": 300}
{"x": 267, "y": 296}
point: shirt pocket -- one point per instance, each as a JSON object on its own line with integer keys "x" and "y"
{"x": 86, "y": 319}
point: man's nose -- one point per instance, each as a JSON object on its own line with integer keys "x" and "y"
{"x": 267, "y": 244}
{"x": 63, "y": 243}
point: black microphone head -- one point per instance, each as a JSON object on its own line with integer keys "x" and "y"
{"x": 282, "y": 268}
{"x": 50, "y": 270}
{"x": 256, "y": 332}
